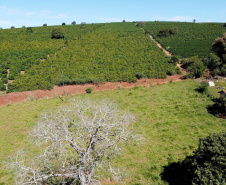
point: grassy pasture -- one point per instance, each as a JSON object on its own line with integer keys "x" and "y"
{"x": 170, "y": 117}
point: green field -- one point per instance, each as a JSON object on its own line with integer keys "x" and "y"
{"x": 96, "y": 53}
{"x": 192, "y": 38}
{"x": 170, "y": 117}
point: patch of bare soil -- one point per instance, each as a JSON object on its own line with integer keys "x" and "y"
{"x": 160, "y": 46}
{"x": 16, "y": 97}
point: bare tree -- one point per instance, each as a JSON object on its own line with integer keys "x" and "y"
{"x": 79, "y": 139}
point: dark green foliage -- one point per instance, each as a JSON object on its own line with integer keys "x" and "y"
{"x": 173, "y": 31}
{"x": 219, "y": 46}
{"x": 63, "y": 24}
{"x": 163, "y": 33}
{"x": 139, "y": 75}
{"x": 208, "y": 165}
{"x": 2, "y": 86}
{"x": 73, "y": 23}
{"x": 170, "y": 72}
{"x": 44, "y": 24}
{"x": 174, "y": 59}
{"x": 196, "y": 67}
{"x": 191, "y": 39}
{"x": 57, "y": 33}
{"x": 12, "y": 27}
{"x": 4, "y": 80}
{"x": 224, "y": 25}
{"x": 83, "y": 24}
{"x": 203, "y": 87}
{"x": 217, "y": 60}
{"x": 89, "y": 90}
{"x": 221, "y": 104}
{"x": 79, "y": 81}
{"x": 29, "y": 30}
{"x": 11, "y": 87}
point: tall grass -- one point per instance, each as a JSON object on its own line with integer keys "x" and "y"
{"x": 170, "y": 117}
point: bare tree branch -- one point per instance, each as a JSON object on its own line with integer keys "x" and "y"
{"x": 78, "y": 138}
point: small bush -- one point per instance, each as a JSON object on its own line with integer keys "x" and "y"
{"x": 174, "y": 59}
{"x": 2, "y": 86}
{"x": 173, "y": 31}
{"x": 139, "y": 75}
{"x": 89, "y": 90}
{"x": 4, "y": 80}
{"x": 203, "y": 87}
{"x": 163, "y": 33}
{"x": 170, "y": 72}
{"x": 178, "y": 71}
{"x": 57, "y": 33}
{"x": 29, "y": 30}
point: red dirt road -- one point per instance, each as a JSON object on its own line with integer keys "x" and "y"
{"x": 16, "y": 97}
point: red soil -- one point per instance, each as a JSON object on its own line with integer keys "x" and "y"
{"x": 77, "y": 89}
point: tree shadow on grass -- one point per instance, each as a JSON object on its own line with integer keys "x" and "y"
{"x": 175, "y": 174}
{"x": 216, "y": 110}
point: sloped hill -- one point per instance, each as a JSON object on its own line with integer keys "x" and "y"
{"x": 88, "y": 54}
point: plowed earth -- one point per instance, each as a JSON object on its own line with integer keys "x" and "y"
{"x": 16, "y": 97}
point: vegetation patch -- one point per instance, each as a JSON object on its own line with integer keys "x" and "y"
{"x": 159, "y": 111}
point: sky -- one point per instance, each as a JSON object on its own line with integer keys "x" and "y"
{"x": 32, "y": 13}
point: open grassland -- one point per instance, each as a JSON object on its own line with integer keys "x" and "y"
{"x": 170, "y": 117}
{"x": 192, "y": 38}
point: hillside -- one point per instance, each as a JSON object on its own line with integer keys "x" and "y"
{"x": 191, "y": 39}
{"x": 170, "y": 117}
{"x": 91, "y": 53}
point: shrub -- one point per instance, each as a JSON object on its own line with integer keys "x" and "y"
{"x": 170, "y": 72}
{"x": 196, "y": 67}
{"x": 207, "y": 166}
{"x": 164, "y": 33}
{"x": 11, "y": 87}
{"x": 174, "y": 59}
{"x": 29, "y": 30}
{"x": 5, "y": 80}
{"x": 203, "y": 87}
{"x": 173, "y": 31}
{"x": 57, "y": 33}
{"x": 89, "y": 90}
{"x": 178, "y": 71}
{"x": 2, "y": 86}
{"x": 139, "y": 75}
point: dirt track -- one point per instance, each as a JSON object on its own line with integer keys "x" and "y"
{"x": 16, "y": 97}
{"x": 12, "y": 98}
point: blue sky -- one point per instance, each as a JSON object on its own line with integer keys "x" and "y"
{"x": 20, "y": 13}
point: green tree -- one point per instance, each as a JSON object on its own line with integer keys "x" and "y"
{"x": 196, "y": 67}
{"x": 208, "y": 164}
{"x": 2, "y": 86}
{"x": 173, "y": 31}
{"x": 73, "y": 23}
{"x": 217, "y": 59}
{"x": 29, "y": 30}
{"x": 57, "y": 33}
{"x": 163, "y": 33}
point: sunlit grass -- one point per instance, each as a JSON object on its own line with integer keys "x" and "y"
{"x": 170, "y": 117}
